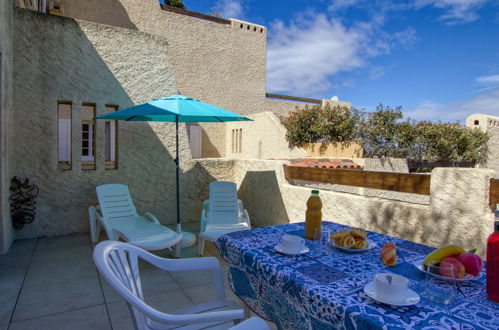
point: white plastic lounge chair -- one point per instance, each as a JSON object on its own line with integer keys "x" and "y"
{"x": 117, "y": 214}
{"x": 117, "y": 262}
{"x": 222, "y": 213}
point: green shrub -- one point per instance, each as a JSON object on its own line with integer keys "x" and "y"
{"x": 176, "y": 3}
{"x": 385, "y": 133}
{"x": 320, "y": 124}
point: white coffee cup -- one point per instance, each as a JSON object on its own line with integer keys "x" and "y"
{"x": 292, "y": 243}
{"x": 393, "y": 289}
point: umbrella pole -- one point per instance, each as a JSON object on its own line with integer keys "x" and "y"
{"x": 179, "y": 229}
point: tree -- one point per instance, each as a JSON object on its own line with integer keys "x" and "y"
{"x": 176, "y": 3}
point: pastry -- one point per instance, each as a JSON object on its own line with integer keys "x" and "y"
{"x": 360, "y": 243}
{"x": 358, "y": 233}
{"x": 339, "y": 235}
{"x": 347, "y": 242}
{"x": 389, "y": 254}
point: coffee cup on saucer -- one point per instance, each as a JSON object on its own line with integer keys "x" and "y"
{"x": 292, "y": 244}
{"x": 390, "y": 287}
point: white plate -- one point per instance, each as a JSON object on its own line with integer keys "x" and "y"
{"x": 279, "y": 249}
{"x": 370, "y": 245}
{"x": 468, "y": 277}
{"x": 410, "y": 298}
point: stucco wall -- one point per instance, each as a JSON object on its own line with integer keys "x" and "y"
{"x": 81, "y": 62}
{"x": 489, "y": 124}
{"x": 6, "y": 107}
{"x": 262, "y": 138}
{"x": 458, "y": 212}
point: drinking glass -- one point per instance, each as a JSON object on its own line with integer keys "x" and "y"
{"x": 438, "y": 288}
{"x": 323, "y": 239}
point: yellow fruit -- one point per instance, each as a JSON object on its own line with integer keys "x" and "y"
{"x": 443, "y": 252}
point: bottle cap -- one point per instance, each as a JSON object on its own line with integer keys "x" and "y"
{"x": 315, "y": 192}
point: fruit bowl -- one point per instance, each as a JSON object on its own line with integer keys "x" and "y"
{"x": 467, "y": 277}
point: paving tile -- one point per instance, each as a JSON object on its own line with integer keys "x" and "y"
{"x": 57, "y": 297}
{"x": 193, "y": 278}
{"x": 61, "y": 242}
{"x": 67, "y": 255}
{"x": 12, "y": 277}
{"x": 94, "y": 317}
{"x": 39, "y": 274}
{"x": 23, "y": 245}
{"x": 166, "y": 302}
{"x": 8, "y": 299}
{"x": 153, "y": 281}
{"x": 18, "y": 259}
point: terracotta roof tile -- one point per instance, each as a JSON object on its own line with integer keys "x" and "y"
{"x": 325, "y": 163}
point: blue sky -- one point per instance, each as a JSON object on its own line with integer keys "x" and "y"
{"x": 438, "y": 59}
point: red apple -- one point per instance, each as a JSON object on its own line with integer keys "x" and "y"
{"x": 451, "y": 265}
{"x": 471, "y": 262}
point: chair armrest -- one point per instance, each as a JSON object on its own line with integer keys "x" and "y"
{"x": 247, "y": 218}
{"x": 149, "y": 216}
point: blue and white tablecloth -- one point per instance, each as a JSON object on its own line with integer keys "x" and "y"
{"x": 308, "y": 291}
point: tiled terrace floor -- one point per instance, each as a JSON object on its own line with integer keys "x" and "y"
{"x": 51, "y": 283}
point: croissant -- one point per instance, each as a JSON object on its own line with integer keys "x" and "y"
{"x": 358, "y": 233}
{"x": 347, "y": 242}
{"x": 389, "y": 254}
{"x": 339, "y": 235}
{"x": 360, "y": 243}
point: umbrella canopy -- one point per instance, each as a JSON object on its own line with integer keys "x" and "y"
{"x": 179, "y": 109}
{"x": 175, "y": 108}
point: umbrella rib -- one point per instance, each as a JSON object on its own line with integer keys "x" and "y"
{"x": 130, "y": 118}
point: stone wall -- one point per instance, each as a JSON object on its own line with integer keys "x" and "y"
{"x": 262, "y": 138}
{"x": 6, "y": 108}
{"x": 80, "y": 62}
{"x": 457, "y": 213}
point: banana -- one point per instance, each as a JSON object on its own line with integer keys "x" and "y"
{"x": 443, "y": 252}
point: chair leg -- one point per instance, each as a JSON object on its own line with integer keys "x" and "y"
{"x": 177, "y": 248}
{"x": 200, "y": 246}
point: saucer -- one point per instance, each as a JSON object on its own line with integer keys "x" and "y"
{"x": 279, "y": 249}
{"x": 410, "y": 298}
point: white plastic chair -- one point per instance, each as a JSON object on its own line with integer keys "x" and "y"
{"x": 222, "y": 213}
{"x": 253, "y": 323}
{"x": 117, "y": 262}
{"x": 119, "y": 218}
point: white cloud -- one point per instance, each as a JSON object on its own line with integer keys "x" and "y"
{"x": 488, "y": 80}
{"x": 304, "y": 53}
{"x": 229, "y": 8}
{"x": 342, "y": 4}
{"x": 456, "y": 11}
{"x": 484, "y": 103}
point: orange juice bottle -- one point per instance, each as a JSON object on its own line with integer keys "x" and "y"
{"x": 313, "y": 217}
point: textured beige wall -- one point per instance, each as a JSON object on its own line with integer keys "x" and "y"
{"x": 489, "y": 124}
{"x": 457, "y": 213}
{"x": 338, "y": 150}
{"x": 83, "y": 62}
{"x": 6, "y": 108}
{"x": 262, "y": 138}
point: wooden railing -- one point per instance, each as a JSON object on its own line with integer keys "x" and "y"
{"x": 401, "y": 182}
{"x": 292, "y": 98}
{"x": 494, "y": 192}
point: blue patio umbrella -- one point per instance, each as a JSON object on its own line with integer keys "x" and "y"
{"x": 178, "y": 109}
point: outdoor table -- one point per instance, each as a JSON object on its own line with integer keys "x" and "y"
{"x": 310, "y": 291}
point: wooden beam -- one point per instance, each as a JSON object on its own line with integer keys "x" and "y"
{"x": 494, "y": 191}
{"x": 401, "y": 182}
{"x": 292, "y": 98}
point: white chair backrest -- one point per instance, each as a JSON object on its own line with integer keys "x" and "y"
{"x": 118, "y": 264}
{"x": 223, "y": 205}
{"x": 115, "y": 202}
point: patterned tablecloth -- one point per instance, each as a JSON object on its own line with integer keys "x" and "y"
{"x": 308, "y": 291}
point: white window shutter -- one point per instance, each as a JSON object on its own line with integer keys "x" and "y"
{"x": 64, "y": 140}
